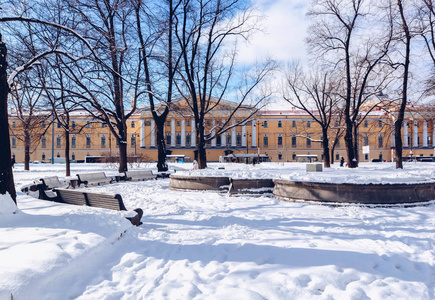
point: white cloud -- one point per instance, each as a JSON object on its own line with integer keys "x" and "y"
{"x": 285, "y": 25}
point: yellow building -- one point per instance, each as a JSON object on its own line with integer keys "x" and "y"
{"x": 282, "y": 135}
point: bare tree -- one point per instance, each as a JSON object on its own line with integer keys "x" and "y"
{"x": 405, "y": 32}
{"x": 316, "y": 96}
{"x": 338, "y": 38}
{"x": 208, "y": 70}
{"x": 6, "y": 175}
{"x": 28, "y": 103}
{"x": 157, "y": 54}
{"x": 102, "y": 85}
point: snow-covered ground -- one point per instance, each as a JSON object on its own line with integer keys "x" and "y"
{"x": 207, "y": 245}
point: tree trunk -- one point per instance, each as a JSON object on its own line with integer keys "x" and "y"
{"x": 122, "y": 156}
{"x": 348, "y": 139}
{"x": 355, "y": 145}
{"x": 398, "y": 141}
{"x": 26, "y": 150}
{"x": 401, "y": 114}
{"x": 67, "y": 146}
{"x": 201, "y": 147}
{"x": 326, "y": 157}
{"x": 161, "y": 145}
{"x": 6, "y": 175}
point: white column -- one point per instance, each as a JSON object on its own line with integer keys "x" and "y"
{"x": 393, "y": 140}
{"x": 153, "y": 133}
{"x": 213, "y": 141}
{"x": 183, "y": 133}
{"x": 233, "y": 135}
{"x": 223, "y": 137}
{"x": 405, "y": 133}
{"x": 192, "y": 132}
{"x": 415, "y": 136}
{"x": 433, "y": 135}
{"x": 424, "y": 134}
{"x": 254, "y": 134}
{"x": 172, "y": 132}
{"x": 142, "y": 134}
{"x": 244, "y": 136}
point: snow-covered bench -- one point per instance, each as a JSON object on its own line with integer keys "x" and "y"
{"x": 140, "y": 175}
{"x": 81, "y": 197}
{"x": 49, "y": 183}
{"x": 97, "y": 178}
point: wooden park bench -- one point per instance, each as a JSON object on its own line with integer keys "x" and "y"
{"x": 97, "y": 178}
{"x": 140, "y": 175}
{"x": 92, "y": 199}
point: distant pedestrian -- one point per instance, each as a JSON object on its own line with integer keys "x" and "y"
{"x": 342, "y": 162}
{"x": 13, "y": 161}
{"x": 195, "y": 165}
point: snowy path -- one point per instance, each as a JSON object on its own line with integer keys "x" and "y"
{"x": 206, "y": 245}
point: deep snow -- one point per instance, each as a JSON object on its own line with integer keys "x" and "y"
{"x": 207, "y": 245}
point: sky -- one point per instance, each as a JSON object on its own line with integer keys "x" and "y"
{"x": 285, "y": 25}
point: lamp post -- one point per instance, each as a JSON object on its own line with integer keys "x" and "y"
{"x": 52, "y": 141}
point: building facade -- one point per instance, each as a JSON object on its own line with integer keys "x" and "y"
{"x": 282, "y": 135}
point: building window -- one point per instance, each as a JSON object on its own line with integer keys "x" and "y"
{"x": 14, "y": 125}
{"x": 168, "y": 139}
{"x": 103, "y": 125}
{"x": 58, "y": 154}
{"x": 43, "y": 125}
{"x": 187, "y": 123}
{"x": 218, "y": 140}
{"x": 103, "y": 141}
{"x": 208, "y": 123}
{"x": 73, "y": 156}
{"x": 308, "y": 141}
{"x": 88, "y": 124}
{"x": 280, "y": 156}
{"x": 73, "y": 125}
{"x": 43, "y": 156}
{"x": 73, "y": 141}
{"x": 59, "y": 125}
{"x": 14, "y": 142}
{"x": 294, "y": 156}
{"x": 88, "y": 142}
{"x": 280, "y": 141}
{"x": 337, "y": 156}
{"x": 168, "y": 123}
{"x": 308, "y": 124}
{"x": 133, "y": 124}
{"x": 265, "y": 141}
{"x": 188, "y": 140}
{"x": 58, "y": 141}
{"x": 43, "y": 141}
{"x": 239, "y": 140}
{"x": 133, "y": 140}
{"x": 294, "y": 124}
{"x": 228, "y": 137}
{"x": 293, "y": 141}
{"x": 147, "y": 123}
{"x": 178, "y": 139}
{"x": 366, "y": 139}
{"x": 366, "y": 124}
{"x": 366, "y": 157}
{"x": 379, "y": 123}
{"x": 265, "y": 124}
{"x": 279, "y": 124}
{"x": 178, "y": 123}
{"x": 380, "y": 141}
